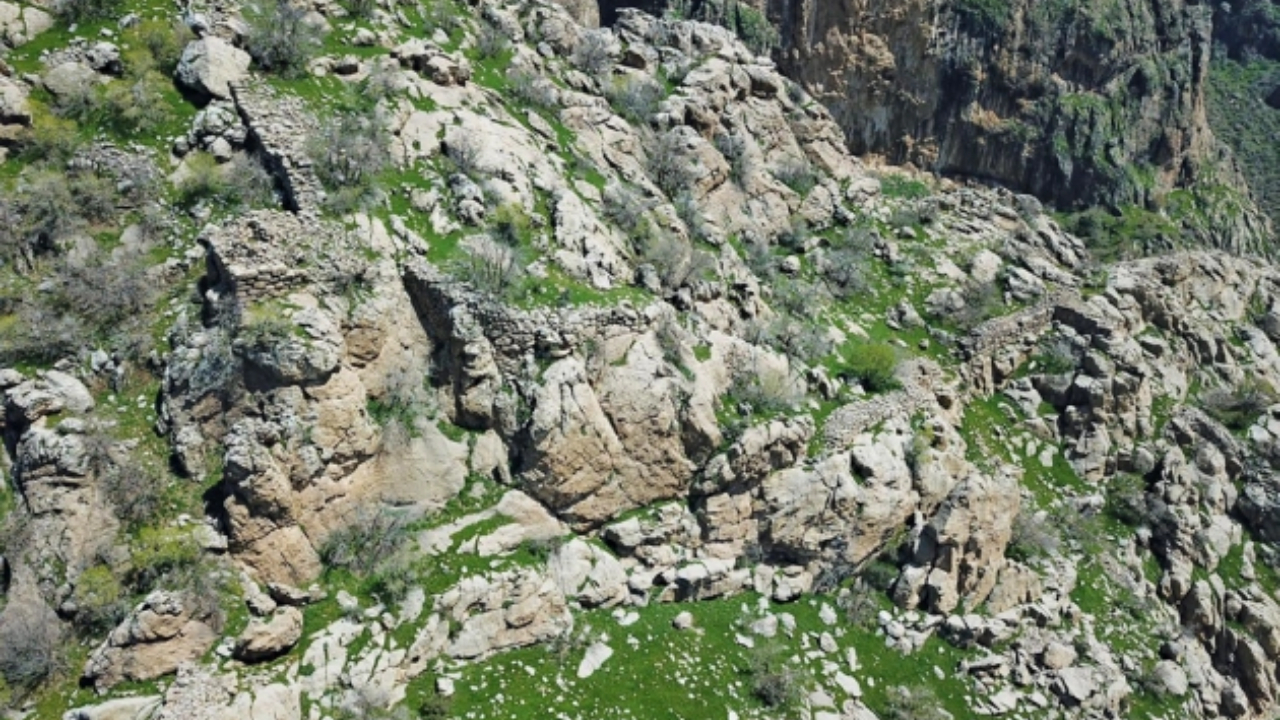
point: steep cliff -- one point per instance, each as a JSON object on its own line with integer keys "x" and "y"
{"x": 1079, "y": 102}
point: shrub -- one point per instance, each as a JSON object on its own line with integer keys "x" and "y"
{"x": 541, "y": 549}
{"x": 463, "y": 152}
{"x": 101, "y": 602}
{"x": 984, "y": 17}
{"x": 593, "y": 55}
{"x": 157, "y": 45}
{"x": 695, "y": 223}
{"x": 762, "y": 388}
{"x": 490, "y": 42}
{"x": 347, "y": 155}
{"x": 280, "y": 39}
{"x": 78, "y": 11}
{"x": 1238, "y": 407}
{"x": 734, "y": 150}
{"x": 160, "y": 553}
{"x": 667, "y": 165}
{"x": 917, "y": 702}
{"x": 40, "y": 335}
{"x": 843, "y": 274}
{"x": 264, "y": 332}
{"x": 630, "y": 212}
{"x": 134, "y": 105}
{"x": 51, "y": 138}
{"x": 110, "y": 294}
{"x": 30, "y": 647}
{"x": 676, "y": 261}
{"x": 1057, "y": 355}
{"x": 242, "y": 182}
{"x": 1034, "y": 535}
{"x": 371, "y": 538}
{"x": 491, "y": 268}
{"x": 1126, "y": 500}
{"x": 511, "y": 225}
{"x": 776, "y": 679}
{"x": 635, "y": 97}
{"x": 530, "y": 87}
{"x": 134, "y": 490}
{"x": 874, "y": 365}
{"x": 795, "y": 235}
{"x": 392, "y": 580}
{"x": 797, "y": 174}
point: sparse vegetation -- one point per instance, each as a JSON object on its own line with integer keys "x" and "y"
{"x": 874, "y": 364}
{"x": 348, "y": 155}
{"x": 776, "y": 678}
{"x": 281, "y": 38}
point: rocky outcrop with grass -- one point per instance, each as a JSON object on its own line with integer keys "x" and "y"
{"x": 466, "y": 361}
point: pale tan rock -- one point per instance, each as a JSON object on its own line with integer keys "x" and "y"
{"x": 265, "y": 640}
{"x": 158, "y": 636}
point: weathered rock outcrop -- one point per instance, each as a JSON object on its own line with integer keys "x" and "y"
{"x": 1078, "y": 105}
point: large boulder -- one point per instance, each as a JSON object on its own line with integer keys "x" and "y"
{"x": 210, "y": 65}
{"x": 265, "y": 640}
{"x": 161, "y": 633}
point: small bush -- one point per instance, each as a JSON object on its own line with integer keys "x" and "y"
{"x": 160, "y": 43}
{"x": 371, "y": 538}
{"x": 241, "y": 182}
{"x": 667, "y": 165}
{"x": 1034, "y": 535}
{"x": 690, "y": 213}
{"x": 511, "y": 225}
{"x": 463, "y": 151}
{"x": 135, "y": 105}
{"x": 79, "y": 11}
{"x": 280, "y": 38}
{"x": 761, "y": 388}
{"x": 630, "y": 212}
{"x": 30, "y": 647}
{"x": 636, "y": 98}
{"x": 490, "y": 42}
{"x": 593, "y": 55}
{"x": 492, "y": 268}
{"x": 50, "y": 138}
{"x": 531, "y": 88}
{"x": 874, "y": 365}
{"x": 1056, "y": 355}
{"x": 795, "y": 235}
{"x": 347, "y": 155}
{"x": 984, "y": 17}
{"x": 777, "y": 680}
{"x": 1126, "y": 500}
{"x": 264, "y": 332}
{"x": 917, "y": 702}
{"x": 676, "y": 261}
{"x": 134, "y": 490}
{"x": 844, "y": 276}
{"x": 541, "y": 549}
{"x": 734, "y": 150}
{"x": 1238, "y": 407}
{"x": 797, "y": 174}
{"x": 101, "y": 601}
{"x": 160, "y": 553}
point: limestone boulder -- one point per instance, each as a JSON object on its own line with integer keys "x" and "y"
{"x": 266, "y": 640}
{"x": 210, "y": 65}
{"x": 162, "y": 632}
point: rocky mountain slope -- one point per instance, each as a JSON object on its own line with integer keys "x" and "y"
{"x": 1079, "y": 103}
{"x": 450, "y": 360}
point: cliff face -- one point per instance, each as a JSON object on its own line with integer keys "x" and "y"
{"x": 1080, "y": 102}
